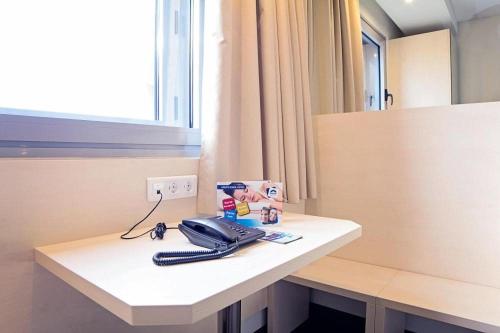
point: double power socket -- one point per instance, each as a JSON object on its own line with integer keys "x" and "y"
{"x": 176, "y": 187}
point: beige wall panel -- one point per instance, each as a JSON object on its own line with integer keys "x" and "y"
{"x": 424, "y": 184}
{"x": 419, "y": 70}
{"x": 44, "y": 201}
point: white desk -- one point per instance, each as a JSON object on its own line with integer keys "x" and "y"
{"x": 121, "y": 277}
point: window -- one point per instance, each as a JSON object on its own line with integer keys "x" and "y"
{"x": 374, "y": 60}
{"x": 111, "y": 70}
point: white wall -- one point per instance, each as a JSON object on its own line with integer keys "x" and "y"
{"x": 44, "y": 201}
{"x": 478, "y": 43}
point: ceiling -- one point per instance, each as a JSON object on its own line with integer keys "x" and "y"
{"x": 418, "y": 16}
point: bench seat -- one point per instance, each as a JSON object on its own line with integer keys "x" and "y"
{"x": 463, "y": 304}
{"x": 349, "y": 275}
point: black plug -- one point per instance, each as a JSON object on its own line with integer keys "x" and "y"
{"x": 159, "y": 231}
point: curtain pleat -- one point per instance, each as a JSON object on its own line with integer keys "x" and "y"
{"x": 286, "y": 76}
{"x": 357, "y": 53}
{"x": 337, "y": 58}
{"x": 256, "y": 102}
{"x": 310, "y": 165}
{"x": 272, "y": 126}
{"x": 299, "y": 98}
{"x": 231, "y": 124}
{"x": 284, "y": 57}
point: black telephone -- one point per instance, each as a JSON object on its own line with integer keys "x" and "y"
{"x": 222, "y": 236}
{"x": 218, "y": 233}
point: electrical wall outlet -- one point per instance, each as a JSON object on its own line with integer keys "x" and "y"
{"x": 172, "y": 187}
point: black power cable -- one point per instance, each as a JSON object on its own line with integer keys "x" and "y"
{"x": 159, "y": 230}
{"x": 176, "y": 257}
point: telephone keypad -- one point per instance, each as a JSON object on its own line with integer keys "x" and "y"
{"x": 238, "y": 229}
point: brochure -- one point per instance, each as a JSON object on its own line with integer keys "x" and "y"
{"x": 280, "y": 237}
{"x": 250, "y": 203}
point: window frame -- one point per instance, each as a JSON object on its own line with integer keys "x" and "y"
{"x": 28, "y": 133}
{"x": 39, "y": 136}
{"x": 379, "y": 60}
{"x": 381, "y": 41}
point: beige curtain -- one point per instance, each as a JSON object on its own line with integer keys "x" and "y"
{"x": 256, "y": 108}
{"x": 230, "y": 116}
{"x": 286, "y": 102}
{"x": 336, "y": 52}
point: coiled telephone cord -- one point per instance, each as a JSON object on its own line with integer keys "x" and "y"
{"x": 184, "y": 257}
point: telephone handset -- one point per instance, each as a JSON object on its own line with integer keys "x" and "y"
{"x": 222, "y": 236}
{"x": 218, "y": 233}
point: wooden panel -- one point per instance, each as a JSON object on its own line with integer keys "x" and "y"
{"x": 346, "y": 278}
{"x": 459, "y": 303}
{"x": 337, "y": 302}
{"x": 288, "y": 306}
{"x": 345, "y": 274}
{"x": 389, "y": 321}
{"x": 253, "y": 304}
{"x": 420, "y": 324}
{"x": 423, "y": 183}
{"x": 419, "y": 70}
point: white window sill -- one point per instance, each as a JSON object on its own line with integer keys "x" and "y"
{"x": 44, "y": 136}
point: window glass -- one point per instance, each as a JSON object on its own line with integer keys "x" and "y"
{"x": 93, "y": 57}
{"x": 371, "y": 56}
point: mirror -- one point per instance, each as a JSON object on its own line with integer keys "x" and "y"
{"x": 446, "y": 52}
{"x": 420, "y": 53}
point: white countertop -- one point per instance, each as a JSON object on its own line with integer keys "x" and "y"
{"x": 120, "y": 275}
